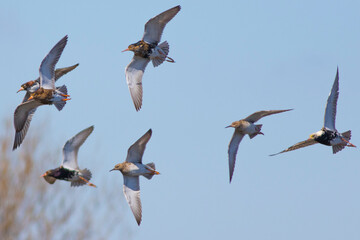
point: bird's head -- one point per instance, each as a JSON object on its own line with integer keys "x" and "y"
{"x": 119, "y": 166}
{"x": 234, "y": 125}
{"x": 133, "y": 47}
{"x": 26, "y": 85}
{"x": 49, "y": 176}
{"x": 316, "y": 135}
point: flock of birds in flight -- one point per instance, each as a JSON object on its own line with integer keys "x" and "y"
{"x": 43, "y": 91}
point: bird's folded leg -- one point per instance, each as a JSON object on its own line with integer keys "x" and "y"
{"x": 349, "y": 144}
{"x": 88, "y": 183}
{"x": 170, "y": 59}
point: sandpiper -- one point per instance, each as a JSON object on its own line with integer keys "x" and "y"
{"x": 45, "y": 94}
{"x": 69, "y": 169}
{"x": 328, "y": 135}
{"x": 131, "y": 169}
{"x": 33, "y": 85}
{"x": 148, "y": 48}
{"x": 243, "y": 127}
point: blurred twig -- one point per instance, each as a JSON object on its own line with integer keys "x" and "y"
{"x": 32, "y": 209}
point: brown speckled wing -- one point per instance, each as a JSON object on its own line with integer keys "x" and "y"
{"x": 302, "y": 144}
{"x": 155, "y": 26}
{"x": 134, "y": 73}
{"x": 260, "y": 114}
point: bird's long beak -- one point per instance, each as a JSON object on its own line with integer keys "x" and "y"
{"x": 21, "y": 89}
{"x": 31, "y": 97}
{"x": 112, "y": 169}
{"x": 125, "y": 50}
{"x": 228, "y": 126}
{"x": 44, "y": 175}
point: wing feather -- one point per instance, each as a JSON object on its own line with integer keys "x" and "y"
{"x": 71, "y": 148}
{"x": 47, "y": 67}
{"x": 22, "y": 117}
{"x": 232, "y": 151}
{"x": 260, "y": 114}
{"x": 155, "y": 26}
{"x": 302, "y": 144}
{"x": 134, "y": 73}
{"x": 136, "y": 151}
{"x": 62, "y": 71}
{"x": 132, "y": 194}
{"x": 330, "y": 110}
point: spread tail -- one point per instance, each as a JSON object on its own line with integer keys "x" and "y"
{"x": 151, "y": 167}
{"x": 60, "y": 104}
{"x": 160, "y": 58}
{"x": 346, "y": 138}
{"x": 347, "y": 135}
{"x": 86, "y": 174}
{"x": 258, "y": 131}
{"x": 338, "y": 147}
{"x": 62, "y": 90}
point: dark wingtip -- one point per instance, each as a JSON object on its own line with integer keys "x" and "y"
{"x": 274, "y": 154}
{"x": 16, "y": 145}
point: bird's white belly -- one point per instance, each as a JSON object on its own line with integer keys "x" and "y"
{"x": 248, "y": 128}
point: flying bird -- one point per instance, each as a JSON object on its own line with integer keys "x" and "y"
{"x": 131, "y": 169}
{"x": 45, "y": 94}
{"x": 328, "y": 135}
{"x": 69, "y": 169}
{"x": 243, "y": 127}
{"x": 33, "y": 85}
{"x": 148, "y": 48}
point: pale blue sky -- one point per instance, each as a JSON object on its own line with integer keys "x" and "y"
{"x": 232, "y": 58}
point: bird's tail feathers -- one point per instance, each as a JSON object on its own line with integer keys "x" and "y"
{"x": 151, "y": 167}
{"x": 257, "y": 131}
{"x": 338, "y": 147}
{"x": 165, "y": 47}
{"x": 86, "y": 174}
{"x": 347, "y": 135}
{"x": 60, "y": 104}
{"x": 160, "y": 58}
{"x": 62, "y": 89}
